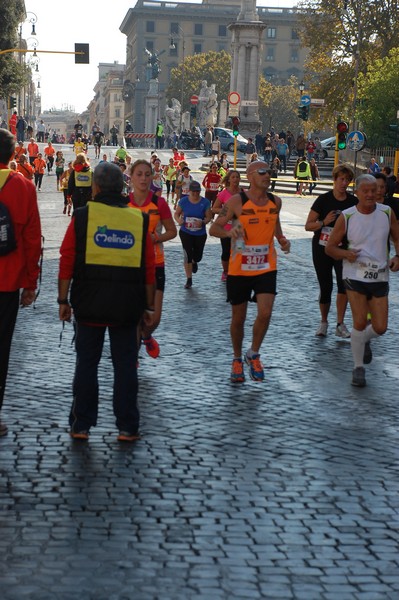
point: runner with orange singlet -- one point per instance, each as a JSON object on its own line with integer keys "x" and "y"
{"x": 162, "y": 228}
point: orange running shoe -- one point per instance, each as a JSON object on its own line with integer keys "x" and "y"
{"x": 127, "y": 436}
{"x": 237, "y": 371}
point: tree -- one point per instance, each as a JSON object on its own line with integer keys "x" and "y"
{"x": 378, "y": 98}
{"x": 344, "y": 37}
{"x": 12, "y": 73}
{"x": 214, "y": 67}
{"x": 279, "y": 106}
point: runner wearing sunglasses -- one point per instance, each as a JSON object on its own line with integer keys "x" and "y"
{"x": 253, "y": 263}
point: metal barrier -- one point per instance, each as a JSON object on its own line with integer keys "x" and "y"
{"x": 139, "y": 140}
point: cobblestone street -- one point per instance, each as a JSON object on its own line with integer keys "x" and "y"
{"x": 283, "y": 490}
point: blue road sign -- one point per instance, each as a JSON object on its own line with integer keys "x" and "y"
{"x": 356, "y": 140}
{"x": 305, "y": 100}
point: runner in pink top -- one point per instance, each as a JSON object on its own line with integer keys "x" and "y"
{"x": 231, "y": 181}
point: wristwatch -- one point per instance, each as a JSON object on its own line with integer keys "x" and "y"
{"x": 62, "y": 301}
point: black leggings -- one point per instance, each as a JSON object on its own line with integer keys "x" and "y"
{"x": 38, "y": 179}
{"x": 226, "y": 246}
{"x": 193, "y": 246}
{"x": 324, "y": 266}
{"x": 169, "y": 185}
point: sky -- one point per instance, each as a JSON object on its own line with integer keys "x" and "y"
{"x": 59, "y": 26}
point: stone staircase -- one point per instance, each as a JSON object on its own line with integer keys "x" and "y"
{"x": 285, "y": 183}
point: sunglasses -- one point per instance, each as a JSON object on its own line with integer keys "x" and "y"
{"x": 264, "y": 171}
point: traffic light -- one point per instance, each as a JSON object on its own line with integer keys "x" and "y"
{"x": 303, "y": 112}
{"x": 193, "y": 111}
{"x": 342, "y": 131}
{"x": 235, "y": 125}
{"x": 12, "y": 102}
{"x": 82, "y": 59}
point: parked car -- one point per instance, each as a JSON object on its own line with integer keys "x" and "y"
{"x": 327, "y": 147}
{"x": 226, "y": 139}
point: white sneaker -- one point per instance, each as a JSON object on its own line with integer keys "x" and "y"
{"x": 322, "y": 330}
{"x": 342, "y": 331}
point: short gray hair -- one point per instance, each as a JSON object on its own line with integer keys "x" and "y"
{"x": 365, "y": 179}
{"x": 108, "y": 177}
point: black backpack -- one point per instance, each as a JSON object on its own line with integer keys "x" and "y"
{"x": 302, "y": 167}
{"x": 8, "y": 243}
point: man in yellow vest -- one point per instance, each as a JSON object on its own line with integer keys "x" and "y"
{"x": 107, "y": 260}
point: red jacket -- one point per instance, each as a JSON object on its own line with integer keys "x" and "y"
{"x": 20, "y": 268}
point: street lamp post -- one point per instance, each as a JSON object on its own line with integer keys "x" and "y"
{"x": 32, "y": 19}
{"x": 172, "y": 46}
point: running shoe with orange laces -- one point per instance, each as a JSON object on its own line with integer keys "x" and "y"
{"x": 255, "y": 367}
{"x": 152, "y": 347}
{"x": 79, "y": 435}
{"x": 237, "y": 371}
{"x": 128, "y": 436}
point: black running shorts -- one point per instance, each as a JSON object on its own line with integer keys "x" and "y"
{"x": 240, "y": 287}
{"x": 371, "y": 290}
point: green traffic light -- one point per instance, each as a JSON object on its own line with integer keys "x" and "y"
{"x": 341, "y": 145}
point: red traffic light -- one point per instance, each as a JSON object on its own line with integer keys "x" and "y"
{"x": 342, "y": 127}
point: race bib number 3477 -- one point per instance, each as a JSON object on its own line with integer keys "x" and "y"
{"x": 255, "y": 258}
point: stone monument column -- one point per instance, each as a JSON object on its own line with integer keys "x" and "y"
{"x": 246, "y": 48}
{"x": 151, "y": 107}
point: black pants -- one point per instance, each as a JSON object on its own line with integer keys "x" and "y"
{"x": 193, "y": 246}
{"x": 38, "y": 179}
{"x": 324, "y": 266}
{"x": 9, "y": 302}
{"x": 89, "y": 346}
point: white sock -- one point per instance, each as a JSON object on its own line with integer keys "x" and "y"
{"x": 369, "y": 333}
{"x": 251, "y": 353}
{"x": 357, "y": 346}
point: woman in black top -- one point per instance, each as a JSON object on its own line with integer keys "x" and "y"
{"x": 321, "y": 220}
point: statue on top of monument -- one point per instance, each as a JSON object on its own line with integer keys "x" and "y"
{"x": 248, "y": 11}
{"x": 155, "y": 63}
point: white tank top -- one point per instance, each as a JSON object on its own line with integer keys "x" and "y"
{"x": 368, "y": 233}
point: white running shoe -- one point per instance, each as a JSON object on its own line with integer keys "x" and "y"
{"x": 322, "y": 330}
{"x": 342, "y": 331}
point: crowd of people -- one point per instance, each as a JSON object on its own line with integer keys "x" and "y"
{"x": 351, "y": 233}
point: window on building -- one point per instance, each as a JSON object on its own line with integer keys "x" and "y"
{"x": 222, "y": 30}
{"x": 270, "y": 53}
{"x": 117, "y": 113}
{"x": 115, "y": 97}
{"x": 294, "y": 56}
{"x": 294, "y": 34}
{"x": 149, "y": 45}
{"x": 221, "y": 47}
{"x": 270, "y": 74}
{"x": 174, "y": 51}
{"x": 174, "y": 28}
{"x": 197, "y": 48}
{"x": 197, "y": 28}
{"x": 150, "y": 26}
{"x": 271, "y": 32}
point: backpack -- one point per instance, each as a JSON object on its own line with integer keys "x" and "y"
{"x": 8, "y": 242}
{"x": 303, "y": 166}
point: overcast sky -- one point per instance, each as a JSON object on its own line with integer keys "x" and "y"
{"x": 59, "y": 25}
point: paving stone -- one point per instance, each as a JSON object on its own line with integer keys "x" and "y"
{"x": 284, "y": 490}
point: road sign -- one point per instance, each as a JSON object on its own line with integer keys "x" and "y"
{"x": 356, "y": 140}
{"x": 194, "y": 99}
{"x": 234, "y": 98}
{"x": 249, "y": 103}
{"x": 305, "y": 100}
{"x": 234, "y": 111}
{"x": 317, "y": 102}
